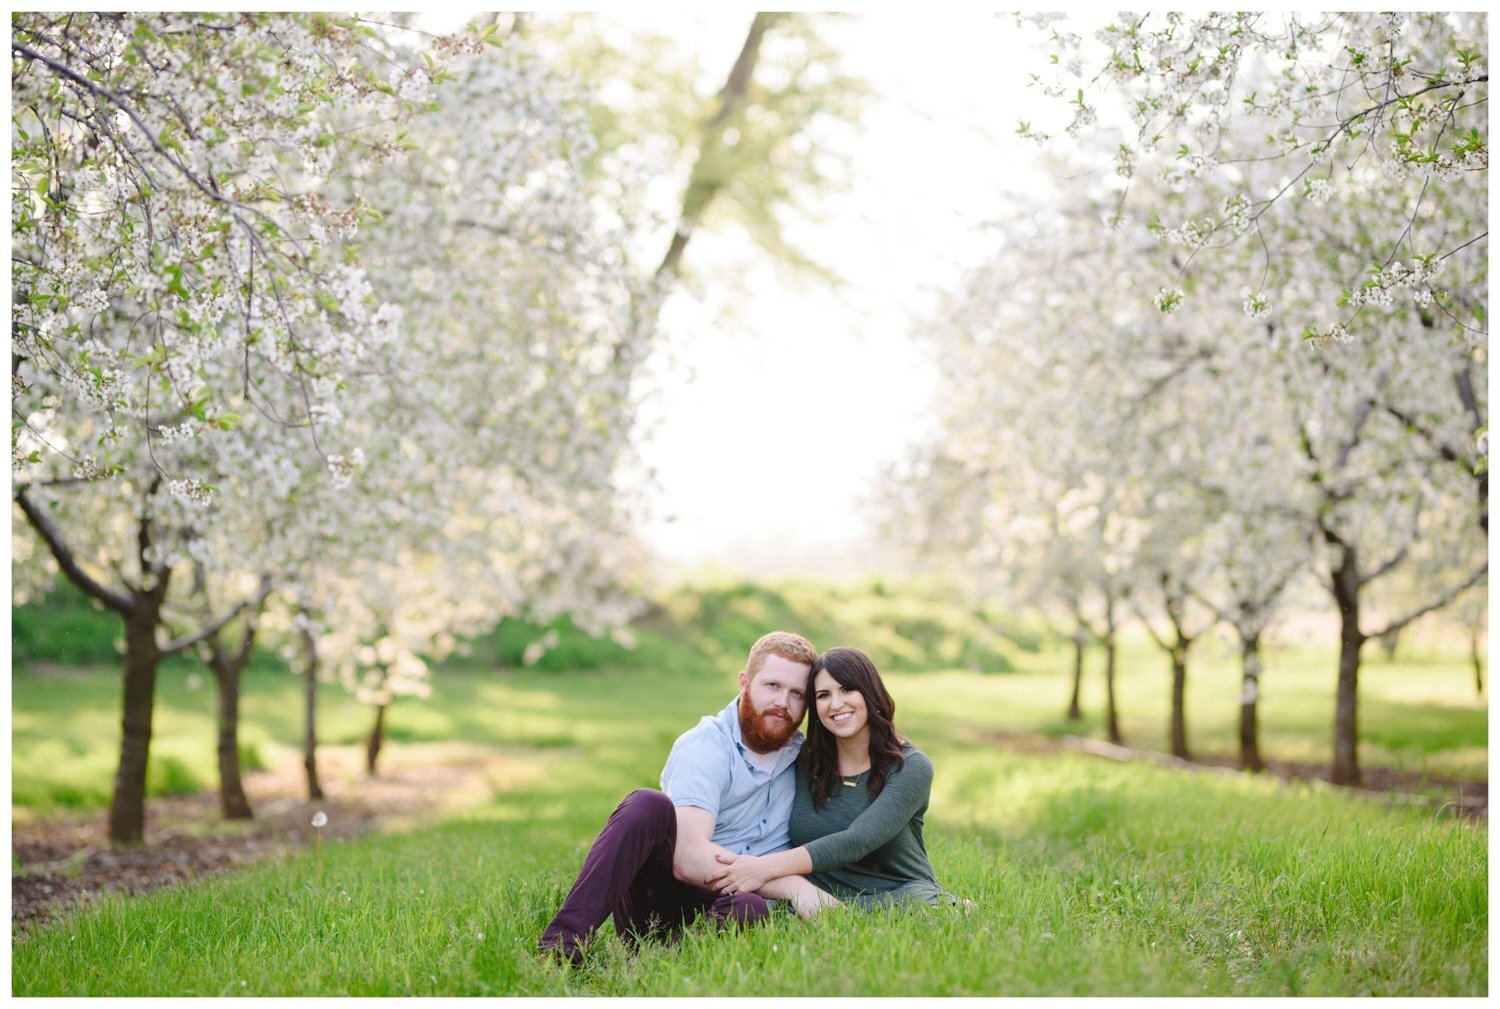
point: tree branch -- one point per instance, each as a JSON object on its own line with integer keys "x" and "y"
{"x": 1161, "y": 642}
{"x": 102, "y": 92}
{"x": 1444, "y": 452}
{"x": 700, "y": 190}
{"x": 183, "y": 644}
{"x": 52, "y": 536}
{"x": 1357, "y": 431}
{"x": 1447, "y": 598}
{"x": 1387, "y": 567}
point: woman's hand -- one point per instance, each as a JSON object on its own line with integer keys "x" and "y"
{"x": 740, "y": 874}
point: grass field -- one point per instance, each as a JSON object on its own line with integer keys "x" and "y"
{"x": 1091, "y": 877}
{"x": 1419, "y": 712}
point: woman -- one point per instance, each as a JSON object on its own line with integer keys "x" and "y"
{"x": 861, "y": 793}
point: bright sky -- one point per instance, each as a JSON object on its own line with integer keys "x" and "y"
{"x": 817, "y": 388}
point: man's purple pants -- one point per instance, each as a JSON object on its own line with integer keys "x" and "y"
{"x": 627, "y": 874}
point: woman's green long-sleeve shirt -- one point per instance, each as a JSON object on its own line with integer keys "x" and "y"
{"x": 868, "y": 851}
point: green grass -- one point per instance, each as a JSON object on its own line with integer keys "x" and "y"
{"x": 66, "y": 626}
{"x": 1092, "y": 878}
{"x": 1419, "y": 713}
{"x": 1086, "y": 897}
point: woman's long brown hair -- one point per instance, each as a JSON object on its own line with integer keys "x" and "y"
{"x": 852, "y": 668}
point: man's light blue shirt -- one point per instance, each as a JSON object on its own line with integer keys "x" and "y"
{"x": 707, "y": 768}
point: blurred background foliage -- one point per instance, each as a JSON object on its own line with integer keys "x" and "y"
{"x": 959, "y": 675}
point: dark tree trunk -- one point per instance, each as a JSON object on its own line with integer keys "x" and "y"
{"x": 127, "y": 808}
{"x": 377, "y": 737}
{"x": 1477, "y": 659}
{"x": 1464, "y": 381}
{"x": 1346, "y": 715}
{"x": 1174, "y": 602}
{"x": 1179, "y": 707}
{"x": 1249, "y": 703}
{"x": 1484, "y": 501}
{"x": 1346, "y": 586}
{"x": 139, "y": 607}
{"x": 227, "y": 669}
{"x": 310, "y": 694}
{"x": 1075, "y": 710}
{"x": 1111, "y": 717}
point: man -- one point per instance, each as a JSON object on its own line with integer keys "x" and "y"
{"x": 727, "y": 788}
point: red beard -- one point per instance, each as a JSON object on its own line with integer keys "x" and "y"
{"x": 761, "y": 732}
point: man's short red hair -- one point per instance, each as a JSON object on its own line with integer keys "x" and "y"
{"x": 793, "y": 647}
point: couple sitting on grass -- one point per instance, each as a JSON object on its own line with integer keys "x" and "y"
{"x": 750, "y": 812}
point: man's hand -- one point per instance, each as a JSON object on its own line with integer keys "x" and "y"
{"x": 739, "y": 874}
{"x": 749, "y": 873}
{"x": 694, "y": 860}
{"x": 777, "y": 876}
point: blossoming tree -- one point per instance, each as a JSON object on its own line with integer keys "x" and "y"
{"x": 1257, "y": 118}
{"x": 1323, "y": 178}
{"x": 173, "y": 292}
{"x": 1219, "y": 459}
{"x": 347, "y": 311}
{"x": 240, "y": 347}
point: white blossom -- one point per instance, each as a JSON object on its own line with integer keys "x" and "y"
{"x": 1319, "y": 190}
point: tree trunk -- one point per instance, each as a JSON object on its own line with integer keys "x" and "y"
{"x": 127, "y": 808}
{"x": 1249, "y": 703}
{"x": 1477, "y": 659}
{"x": 1111, "y": 717}
{"x": 1179, "y": 707}
{"x": 139, "y": 607}
{"x": 1484, "y": 500}
{"x": 1464, "y": 381}
{"x": 1346, "y": 715}
{"x": 377, "y": 736}
{"x": 1075, "y": 710}
{"x": 1346, "y": 586}
{"x": 704, "y": 183}
{"x": 232, "y": 799}
{"x": 310, "y": 692}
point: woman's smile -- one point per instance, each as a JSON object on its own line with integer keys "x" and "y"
{"x": 841, "y": 709}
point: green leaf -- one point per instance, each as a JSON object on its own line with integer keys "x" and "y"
{"x": 174, "y": 282}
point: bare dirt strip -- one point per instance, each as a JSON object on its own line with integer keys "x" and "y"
{"x": 59, "y": 862}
